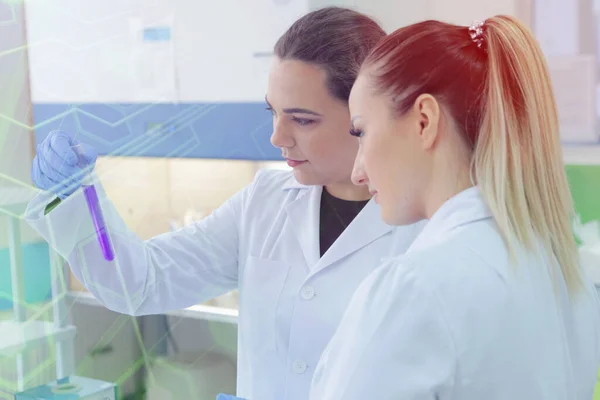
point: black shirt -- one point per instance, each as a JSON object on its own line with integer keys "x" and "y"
{"x": 336, "y": 215}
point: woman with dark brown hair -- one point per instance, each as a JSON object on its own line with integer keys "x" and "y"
{"x": 296, "y": 244}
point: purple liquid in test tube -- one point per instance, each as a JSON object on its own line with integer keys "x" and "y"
{"x": 91, "y": 197}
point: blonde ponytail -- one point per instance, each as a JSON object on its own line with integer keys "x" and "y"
{"x": 518, "y": 159}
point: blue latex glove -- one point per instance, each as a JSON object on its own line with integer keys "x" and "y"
{"x": 55, "y": 166}
{"x": 228, "y": 397}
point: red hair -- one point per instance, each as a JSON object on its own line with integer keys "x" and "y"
{"x": 499, "y": 96}
{"x": 435, "y": 58}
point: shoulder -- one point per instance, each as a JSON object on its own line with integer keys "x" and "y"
{"x": 475, "y": 251}
{"x": 464, "y": 274}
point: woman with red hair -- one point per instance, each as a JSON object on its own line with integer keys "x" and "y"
{"x": 458, "y": 125}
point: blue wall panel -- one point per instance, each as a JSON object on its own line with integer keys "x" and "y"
{"x": 219, "y": 131}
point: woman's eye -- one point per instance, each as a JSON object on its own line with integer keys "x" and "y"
{"x": 269, "y": 109}
{"x": 303, "y": 121}
{"x": 356, "y": 132}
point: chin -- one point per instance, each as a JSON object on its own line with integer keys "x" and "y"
{"x": 306, "y": 179}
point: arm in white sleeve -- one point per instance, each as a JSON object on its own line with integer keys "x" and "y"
{"x": 392, "y": 343}
{"x": 171, "y": 271}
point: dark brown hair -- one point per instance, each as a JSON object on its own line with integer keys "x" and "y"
{"x": 334, "y": 38}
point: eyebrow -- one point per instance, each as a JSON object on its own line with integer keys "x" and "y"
{"x": 295, "y": 110}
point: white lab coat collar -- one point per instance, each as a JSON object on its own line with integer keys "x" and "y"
{"x": 463, "y": 208}
{"x": 304, "y": 213}
{"x": 306, "y": 227}
{"x": 371, "y": 227}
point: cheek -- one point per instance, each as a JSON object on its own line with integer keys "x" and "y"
{"x": 331, "y": 146}
{"x": 312, "y": 146}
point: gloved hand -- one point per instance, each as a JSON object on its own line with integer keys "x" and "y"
{"x": 228, "y": 397}
{"x": 56, "y": 168}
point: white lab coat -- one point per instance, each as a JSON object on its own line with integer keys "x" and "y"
{"x": 452, "y": 320}
{"x": 264, "y": 241}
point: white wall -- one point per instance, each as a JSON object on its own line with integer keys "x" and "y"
{"x": 220, "y": 58}
{"x": 466, "y": 11}
{"x": 93, "y": 51}
{"x": 85, "y": 51}
{"x": 393, "y": 14}
{"x": 96, "y": 52}
{"x": 15, "y": 106}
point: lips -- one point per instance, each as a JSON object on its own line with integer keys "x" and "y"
{"x": 294, "y": 163}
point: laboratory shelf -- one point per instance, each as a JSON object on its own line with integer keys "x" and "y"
{"x": 199, "y": 311}
{"x": 581, "y": 154}
{"x": 208, "y": 313}
{"x": 20, "y": 335}
{"x": 16, "y": 336}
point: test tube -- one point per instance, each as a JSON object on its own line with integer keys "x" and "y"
{"x": 91, "y": 197}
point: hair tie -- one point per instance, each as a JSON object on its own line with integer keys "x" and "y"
{"x": 476, "y": 32}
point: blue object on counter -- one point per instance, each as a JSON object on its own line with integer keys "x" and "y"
{"x": 72, "y": 388}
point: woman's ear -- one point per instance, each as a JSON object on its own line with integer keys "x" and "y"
{"x": 428, "y": 111}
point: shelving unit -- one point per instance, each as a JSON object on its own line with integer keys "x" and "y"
{"x": 21, "y": 336}
{"x": 17, "y": 336}
{"x": 199, "y": 311}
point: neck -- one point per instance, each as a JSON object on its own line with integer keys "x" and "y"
{"x": 348, "y": 191}
{"x": 450, "y": 172}
{"x": 447, "y": 184}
